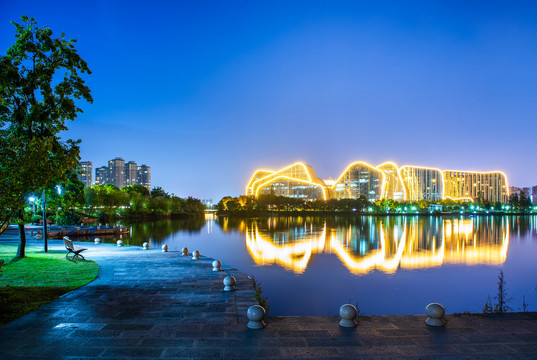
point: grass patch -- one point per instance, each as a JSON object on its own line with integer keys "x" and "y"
{"x": 28, "y": 283}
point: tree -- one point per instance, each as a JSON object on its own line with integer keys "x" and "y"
{"x": 40, "y": 86}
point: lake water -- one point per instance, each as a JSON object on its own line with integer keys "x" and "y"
{"x": 385, "y": 265}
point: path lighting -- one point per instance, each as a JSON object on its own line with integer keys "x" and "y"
{"x": 413, "y": 208}
{"x": 59, "y": 189}
{"x": 369, "y": 209}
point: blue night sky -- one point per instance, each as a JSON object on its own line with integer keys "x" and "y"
{"x": 207, "y": 92}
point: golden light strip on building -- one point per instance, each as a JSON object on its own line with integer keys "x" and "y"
{"x": 382, "y": 185}
{"x": 411, "y": 195}
{"x": 282, "y": 170}
{"x": 398, "y": 170}
{"x": 292, "y": 179}
{"x": 469, "y": 173}
{"x": 249, "y": 188}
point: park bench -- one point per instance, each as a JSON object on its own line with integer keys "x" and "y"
{"x": 71, "y": 248}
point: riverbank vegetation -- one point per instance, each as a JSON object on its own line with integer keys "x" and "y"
{"x": 270, "y": 204}
{"x": 70, "y": 201}
{"x": 29, "y": 282}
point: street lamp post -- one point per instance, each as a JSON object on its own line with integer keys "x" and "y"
{"x": 45, "y": 222}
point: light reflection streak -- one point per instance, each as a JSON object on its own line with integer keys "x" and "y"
{"x": 407, "y": 245}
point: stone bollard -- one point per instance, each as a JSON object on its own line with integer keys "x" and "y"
{"x": 348, "y": 315}
{"x": 119, "y": 243}
{"x": 435, "y": 313}
{"x": 100, "y": 224}
{"x": 185, "y": 251}
{"x": 164, "y": 248}
{"x": 97, "y": 241}
{"x": 229, "y": 283}
{"x": 106, "y": 225}
{"x": 217, "y": 265}
{"x": 145, "y": 246}
{"x": 195, "y": 255}
{"x": 256, "y": 314}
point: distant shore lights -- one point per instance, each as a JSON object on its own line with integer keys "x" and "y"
{"x": 385, "y": 181}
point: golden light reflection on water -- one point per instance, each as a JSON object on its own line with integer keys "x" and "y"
{"x": 386, "y": 245}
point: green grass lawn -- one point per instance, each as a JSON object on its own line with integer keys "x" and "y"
{"x": 28, "y": 283}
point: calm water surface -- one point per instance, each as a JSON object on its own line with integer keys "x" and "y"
{"x": 386, "y": 265}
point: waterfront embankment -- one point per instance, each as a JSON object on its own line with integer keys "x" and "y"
{"x": 151, "y": 304}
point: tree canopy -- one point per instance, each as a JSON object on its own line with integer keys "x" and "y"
{"x": 40, "y": 89}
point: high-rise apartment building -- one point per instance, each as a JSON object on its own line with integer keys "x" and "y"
{"x": 144, "y": 176}
{"x": 86, "y": 173}
{"x": 101, "y": 175}
{"x": 116, "y": 172}
{"x": 131, "y": 173}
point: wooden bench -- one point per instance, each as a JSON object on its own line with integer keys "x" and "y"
{"x": 71, "y": 248}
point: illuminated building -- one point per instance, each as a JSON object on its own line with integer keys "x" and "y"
{"x": 359, "y": 179}
{"x": 487, "y": 186}
{"x": 131, "y": 173}
{"x": 116, "y": 172}
{"x": 86, "y": 173}
{"x": 144, "y": 176}
{"x": 394, "y": 188}
{"x": 386, "y": 181}
{"x": 101, "y": 175}
{"x": 422, "y": 183}
{"x": 297, "y": 181}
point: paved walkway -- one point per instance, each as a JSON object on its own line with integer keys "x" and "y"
{"x": 149, "y": 304}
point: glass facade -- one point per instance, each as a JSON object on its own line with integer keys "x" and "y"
{"x": 423, "y": 183}
{"x": 298, "y": 181}
{"x": 385, "y": 181}
{"x": 486, "y": 186}
{"x": 359, "y": 179}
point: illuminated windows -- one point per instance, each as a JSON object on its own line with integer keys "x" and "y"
{"x": 487, "y": 186}
{"x": 359, "y": 179}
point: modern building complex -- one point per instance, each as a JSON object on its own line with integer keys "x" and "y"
{"x": 118, "y": 173}
{"x": 86, "y": 171}
{"x": 385, "y": 181}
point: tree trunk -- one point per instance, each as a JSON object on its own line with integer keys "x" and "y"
{"x": 21, "y": 251}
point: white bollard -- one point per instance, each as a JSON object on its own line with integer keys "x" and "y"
{"x": 256, "y": 314}
{"x": 119, "y": 243}
{"x": 145, "y": 246}
{"x": 217, "y": 265}
{"x": 195, "y": 255}
{"x": 229, "y": 283}
{"x": 185, "y": 251}
{"x": 97, "y": 241}
{"x": 164, "y": 248}
{"x": 348, "y": 315}
{"x": 435, "y": 313}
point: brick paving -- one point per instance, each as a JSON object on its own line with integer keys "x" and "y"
{"x": 155, "y": 305}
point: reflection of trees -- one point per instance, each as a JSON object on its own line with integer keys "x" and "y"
{"x": 384, "y": 243}
{"x": 157, "y": 231}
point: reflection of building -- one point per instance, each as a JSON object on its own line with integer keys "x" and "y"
{"x": 386, "y": 181}
{"x": 381, "y": 245}
{"x": 487, "y": 186}
{"x": 86, "y": 172}
{"x": 359, "y": 179}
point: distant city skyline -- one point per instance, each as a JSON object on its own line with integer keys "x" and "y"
{"x": 218, "y": 90}
{"x": 117, "y": 173}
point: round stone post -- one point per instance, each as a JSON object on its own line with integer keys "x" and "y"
{"x": 97, "y": 241}
{"x": 119, "y": 243}
{"x": 229, "y": 283}
{"x": 185, "y": 251}
{"x": 217, "y": 265}
{"x": 164, "y": 248}
{"x": 435, "y": 314}
{"x": 348, "y": 315}
{"x": 195, "y": 255}
{"x": 256, "y": 314}
{"x": 145, "y": 245}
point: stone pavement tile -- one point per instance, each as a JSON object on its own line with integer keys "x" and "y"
{"x": 437, "y": 340}
{"x": 136, "y": 352}
{"x": 193, "y": 353}
{"x": 251, "y": 353}
{"x": 418, "y": 350}
{"x": 403, "y": 332}
{"x": 333, "y": 341}
{"x": 483, "y": 349}
{"x": 378, "y": 350}
{"x": 111, "y": 342}
{"x": 310, "y": 352}
{"x": 523, "y": 348}
{"x": 303, "y": 333}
